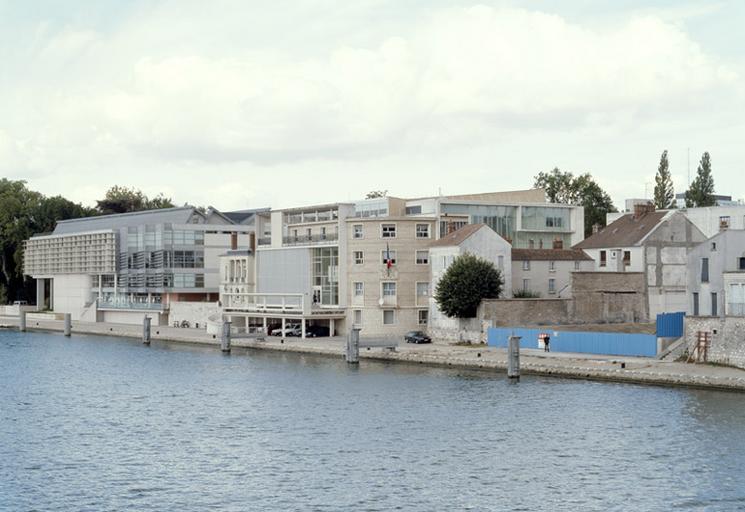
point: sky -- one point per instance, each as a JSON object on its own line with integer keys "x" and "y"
{"x": 237, "y": 104}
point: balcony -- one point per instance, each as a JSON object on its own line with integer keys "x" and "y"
{"x": 328, "y": 238}
{"x": 130, "y": 305}
{"x": 264, "y": 241}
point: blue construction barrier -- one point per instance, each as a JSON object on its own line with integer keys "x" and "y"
{"x": 608, "y": 343}
{"x": 670, "y": 325}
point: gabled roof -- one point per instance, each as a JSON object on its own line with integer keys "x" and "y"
{"x": 550, "y": 255}
{"x": 244, "y": 216}
{"x": 626, "y": 231}
{"x": 458, "y": 236}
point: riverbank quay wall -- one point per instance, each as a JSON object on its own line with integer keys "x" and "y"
{"x": 727, "y": 338}
{"x": 635, "y": 370}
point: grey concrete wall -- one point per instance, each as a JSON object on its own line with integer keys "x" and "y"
{"x": 727, "y": 338}
{"x": 609, "y": 297}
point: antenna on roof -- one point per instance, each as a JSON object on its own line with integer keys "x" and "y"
{"x": 439, "y": 191}
{"x": 689, "y": 167}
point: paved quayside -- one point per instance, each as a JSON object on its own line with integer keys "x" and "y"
{"x": 569, "y": 365}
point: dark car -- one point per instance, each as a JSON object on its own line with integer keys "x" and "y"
{"x": 317, "y": 331}
{"x": 417, "y": 337}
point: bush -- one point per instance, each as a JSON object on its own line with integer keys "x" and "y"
{"x": 467, "y": 281}
{"x": 525, "y": 294}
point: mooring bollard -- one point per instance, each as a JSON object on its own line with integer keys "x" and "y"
{"x": 225, "y": 338}
{"x": 513, "y": 358}
{"x": 353, "y": 346}
{"x": 146, "y": 330}
{"x": 22, "y": 321}
{"x": 68, "y": 324}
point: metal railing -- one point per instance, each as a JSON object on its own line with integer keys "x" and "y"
{"x": 264, "y": 241}
{"x": 126, "y": 304}
{"x": 736, "y": 309}
{"x": 310, "y": 239}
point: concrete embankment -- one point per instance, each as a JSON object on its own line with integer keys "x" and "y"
{"x": 577, "y": 366}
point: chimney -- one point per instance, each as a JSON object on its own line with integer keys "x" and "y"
{"x": 558, "y": 243}
{"x": 595, "y": 228}
{"x": 640, "y": 210}
{"x": 233, "y": 241}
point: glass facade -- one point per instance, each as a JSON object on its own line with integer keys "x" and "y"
{"x": 501, "y": 219}
{"x": 326, "y": 274}
{"x": 545, "y": 218}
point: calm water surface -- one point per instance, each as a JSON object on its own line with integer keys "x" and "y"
{"x": 92, "y": 423}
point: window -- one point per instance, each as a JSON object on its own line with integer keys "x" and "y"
{"x": 357, "y": 231}
{"x": 714, "y": 304}
{"x": 695, "y": 304}
{"x": 713, "y": 246}
{"x": 552, "y": 266}
{"x": 308, "y": 233}
{"x": 358, "y": 316}
{"x": 724, "y": 222}
{"x": 422, "y": 257}
{"x": 576, "y": 265}
{"x": 704, "y": 270}
{"x": 359, "y": 257}
{"x": 552, "y": 286}
{"x": 388, "y": 230}
{"x": 626, "y": 258}
{"x": 389, "y": 289}
{"x": 603, "y": 258}
{"x": 413, "y": 210}
{"x": 359, "y": 289}
{"x": 386, "y": 255}
{"x": 422, "y": 289}
{"x": 741, "y": 262}
{"x": 389, "y": 317}
{"x": 323, "y": 233}
{"x": 526, "y": 285}
{"x": 526, "y": 264}
{"x": 423, "y": 316}
{"x": 422, "y": 230}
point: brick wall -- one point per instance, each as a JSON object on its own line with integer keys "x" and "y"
{"x": 727, "y": 338}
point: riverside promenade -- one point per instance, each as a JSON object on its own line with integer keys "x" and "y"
{"x": 639, "y": 370}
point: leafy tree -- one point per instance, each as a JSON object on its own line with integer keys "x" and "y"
{"x": 467, "y": 281}
{"x": 375, "y": 194}
{"x": 582, "y": 190}
{"x": 664, "y": 195}
{"x": 24, "y": 213}
{"x": 701, "y": 191}
{"x": 123, "y": 200}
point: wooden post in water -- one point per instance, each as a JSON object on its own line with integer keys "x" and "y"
{"x": 68, "y": 324}
{"x": 513, "y": 358}
{"x": 225, "y": 338}
{"x": 146, "y": 330}
{"x": 353, "y": 346}
{"x": 22, "y": 321}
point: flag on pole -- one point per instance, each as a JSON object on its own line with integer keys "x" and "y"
{"x": 388, "y": 262}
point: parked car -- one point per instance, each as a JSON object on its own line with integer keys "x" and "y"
{"x": 317, "y": 331}
{"x": 296, "y": 332}
{"x": 417, "y": 337}
{"x": 277, "y": 331}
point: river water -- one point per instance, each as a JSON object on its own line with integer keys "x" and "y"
{"x": 97, "y": 423}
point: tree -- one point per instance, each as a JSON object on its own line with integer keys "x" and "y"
{"x": 701, "y": 191}
{"x": 467, "y": 281}
{"x": 375, "y": 194}
{"x": 582, "y": 190}
{"x": 123, "y": 200}
{"x": 664, "y": 195}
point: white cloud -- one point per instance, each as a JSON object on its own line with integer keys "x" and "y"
{"x": 453, "y": 84}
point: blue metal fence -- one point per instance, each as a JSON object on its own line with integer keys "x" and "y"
{"x": 608, "y": 343}
{"x": 670, "y": 325}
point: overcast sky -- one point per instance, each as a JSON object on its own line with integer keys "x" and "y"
{"x": 247, "y": 104}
